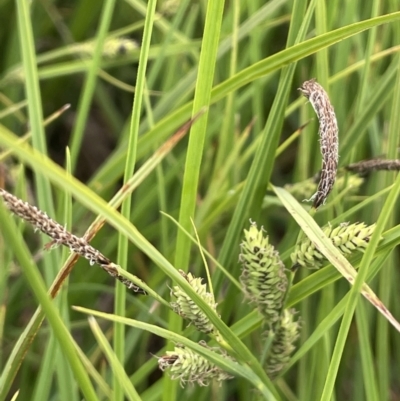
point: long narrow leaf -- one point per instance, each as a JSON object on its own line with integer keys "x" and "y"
{"x": 325, "y": 246}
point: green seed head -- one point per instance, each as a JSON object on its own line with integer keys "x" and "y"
{"x": 263, "y": 274}
{"x": 190, "y": 367}
{"x": 186, "y": 308}
{"x": 347, "y": 238}
{"x": 283, "y": 344}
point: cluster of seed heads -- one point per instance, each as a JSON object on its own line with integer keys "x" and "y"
{"x": 61, "y": 236}
{"x": 265, "y": 284}
{"x": 329, "y": 141}
{"x": 183, "y": 363}
{"x": 185, "y": 307}
{"x": 189, "y": 367}
{"x": 263, "y": 275}
{"x": 346, "y": 238}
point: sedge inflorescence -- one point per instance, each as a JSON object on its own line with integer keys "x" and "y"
{"x": 346, "y": 238}
{"x": 183, "y": 363}
{"x": 265, "y": 283}
{"x": 189, "y": 367}
{"x": 283, "y": 345}
{"x": 263, "y": 274}
{"x": 185, "y": 306}
{"x": 329, "y": 139}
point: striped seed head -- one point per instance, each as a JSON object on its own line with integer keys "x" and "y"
{"x": 309, "y": 87}
{"x": 329, "y": 142}
{"x": 263, "y": 274}
{"x": 61, "y": 236}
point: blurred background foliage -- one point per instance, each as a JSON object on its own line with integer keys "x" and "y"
{"x": 359, "y": 74}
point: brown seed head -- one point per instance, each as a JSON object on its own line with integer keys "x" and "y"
{"x": 328, "y": 132}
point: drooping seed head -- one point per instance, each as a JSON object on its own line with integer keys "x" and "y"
{"x": 329, "y": 142}
{"x": 309, "y": 87}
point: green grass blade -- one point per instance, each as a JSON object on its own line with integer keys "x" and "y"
{"x": 366, "y": 351}
{"x": 197, "y": 134}
{"x": 35, "y": 119}
{"x": 261, "y": 168}
{"x": 88, "y": 90}
{"x": 94, "y": 203}
{"x": 16, "y": 243}
{"x": 354, "y": 292}
{"x": 116, "y": 366}
{"x": 325, "y": 246}
{"x": 122, "y": 258}
{"x": 194, "y": 153}
{"x": 235, "y": 368}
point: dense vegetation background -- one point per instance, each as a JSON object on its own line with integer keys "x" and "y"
{"x": 133, "y": 72}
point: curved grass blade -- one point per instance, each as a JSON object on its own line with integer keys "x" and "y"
{"x": 97, "y": 205}
{"x": 267, "y": 66}
{"x": 237, "y": 369}
{"x": 20, "y": 250}
{"x": 115, "y": 363}
{"x": 325, "y": 246}
{"x": 25, "y": 339}
{"x": 329, "y": 274}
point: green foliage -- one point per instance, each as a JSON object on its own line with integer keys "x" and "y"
{"x": 133, "y": 73}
